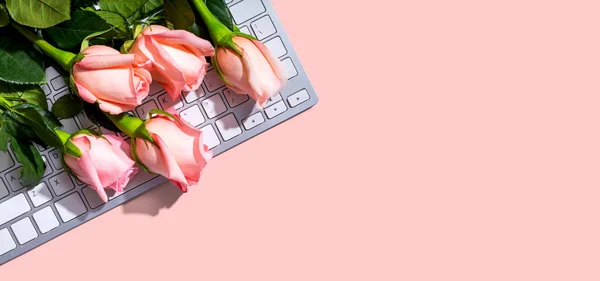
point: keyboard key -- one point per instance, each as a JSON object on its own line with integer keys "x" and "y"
{"x": 12, "y": 178}
{"x": 228, "y": 127}
{"x": 209, "y": 136}
{"x": 263, "y": 27}
{"x": 276, "y": 46}
{"x": 234, "y": 99}
{"x": 246, "y": 10}
{"x": 45, "y": 219}
{"x": 70, "y": 207}
{"x": 3, "y": 189}
{"x": 61, "y": 94}
{"x": 56, "y": 158}
{"x": 272, "y": 100}
{"x": 193, "y": 116}
{"x": 245, "y": 29}
{"x": 40, "y": 194}
{"x": 46, "y": 89}
{"x": 194, "y": 95}
{"x": 290, "y": 69}
{"x": 166, "y": 102}
{"x": 13, "y": 207}
{"x": 69, "y": 125}
{"x": 6, "y": 161}
{"x": 253, "y": 121}
{"x": 58, "y": 83}
{"x": 275, "y": 109}
{"x": 212, "y": 81}
{"x": 298, "y": 98}
{"x": 61, "y": 183}
{"x": 24, "y": 231}
{"x": 91, "y": 196}
{"x": 143, "y": 110}
{"x": 7, "y": 244}
{"x": 48, "y": 166}
{"x": 155, "y": 88}
{"x": 214, "y": 106}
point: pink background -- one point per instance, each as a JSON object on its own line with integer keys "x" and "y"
{"x": 454, "y": 140}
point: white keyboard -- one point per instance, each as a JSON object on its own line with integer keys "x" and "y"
{"x": 29, "y": 218}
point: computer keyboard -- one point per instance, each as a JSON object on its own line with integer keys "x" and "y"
{"x": 31, "y": 217}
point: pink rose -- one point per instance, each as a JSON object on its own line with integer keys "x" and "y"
{"x": 177, "y": 57}
{"x": 112, "y": 79}
{"x": 257, "y": 72}
{"x": 105, "y": 162}
{"x": 180, "y": 155}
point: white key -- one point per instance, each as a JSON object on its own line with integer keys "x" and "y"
{"x": 61, "y": 94}
{"x": 245, "y": 29}
{"x": 46, "y": 89}
{"x": 276, "y": 46}
{"x": 58, "y": 83}
{"x": 290, "y": 69}
{"x": 13, "y": 207}
{"x": 70, "y": 207}
{"x": 212, "y": 81}
{"x": 24, "y": 231}
{"x": 194, "y": 95}
{"x": 91, "y": 196}
{"x": 7, "y": 244}
{"x": 298, "y": 98}
{"x": 234, "y": 99}
{"x": 12, "y": 178}
{"x": 6, "y": 161}
{"x": 40, "y": 194}
{"x": 61, "y": 183}
{"x": 51, "y": 73}
{"x": 45, "y": 219}
{"x": 84, "y": 121}
{"x": 3, "y": 190}
{"x": 209, "y": 136}
{"x": 69, "y": 125}
{"x": 145, "y": 108}
{"x": 166, "y": 102}
{"x": 272, "y": 100}
{"x": 275, "y": 109}
{"x": 56, "y": 158}
{"x": 214, "y": 106}
{"x": 228, "y": 127}
{"x": 246, "y": 10}
{"x": 48, "y": 166}
{"x": 253, "y": 120}
{"x": 263, "y": 27}
{"x": 193, "y": 116}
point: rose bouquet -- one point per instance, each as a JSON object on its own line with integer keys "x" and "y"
{"x": 110, "y": 52}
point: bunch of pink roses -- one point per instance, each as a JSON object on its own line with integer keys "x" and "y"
{"x": 119, "y": 81}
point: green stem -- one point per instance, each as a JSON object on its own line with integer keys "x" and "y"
{"x": 128, "y": 124}
{"x": 216, "y": 29}
{"x": 64, "y": 58}
{"x": 64, "y": 136}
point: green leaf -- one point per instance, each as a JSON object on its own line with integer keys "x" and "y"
{"x": 70, "y": 34}
{"x": 18, "y": 130}
{"x": 180, "y": 13}
{"x": 18, "y": 94}
{"x": 4, "y": 18}
{"x": 67, "y": 106}
{"x": 114, "y": 19}
{"x": 220, "y": 10}
{"x": 3, "y": 140}
{"x": 41, "y": 121}
{"x": 19, "y": 62}
{"x": 39, "y": 13}
{"x": 80, "y": 4}
{"x": 33, "y": 163}
{"x": 132, "y": 10}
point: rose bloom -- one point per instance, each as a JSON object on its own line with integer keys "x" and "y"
{"x": 256, "y": 73}
{"x": 105, "y": 162}
{"x": 180, "y": 153}
{"x": 178, "y": 57}
{"x": 114, "y": 80}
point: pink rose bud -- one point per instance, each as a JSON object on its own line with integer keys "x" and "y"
{"x": 179, "y": 153}
{"x": 112, "y": 79}
{"x": 177, "y": 57}
{"x": 257, "y": 72}
{"x": 105, "y": 162}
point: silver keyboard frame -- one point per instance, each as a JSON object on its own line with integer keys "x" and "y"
{"x": 295, "y": 84}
